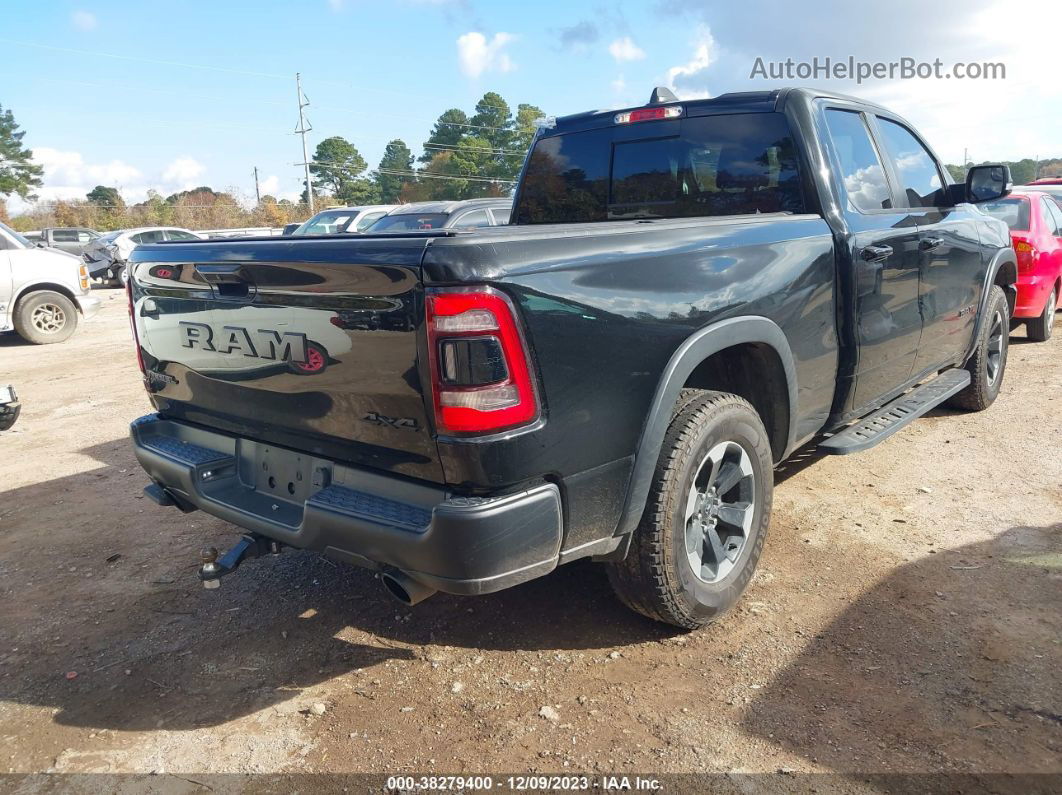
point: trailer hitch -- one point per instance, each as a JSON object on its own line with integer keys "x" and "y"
{"x": 250, "y": 545}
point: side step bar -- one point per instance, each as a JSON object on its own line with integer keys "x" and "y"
{"x": 893, "y": 416}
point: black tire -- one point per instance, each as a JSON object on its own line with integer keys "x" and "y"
{"x": 45, "y": 317}
{"x": 657, "y": 578}
{"x": 988, "y": 364}
{"x": 1039, "y": 329}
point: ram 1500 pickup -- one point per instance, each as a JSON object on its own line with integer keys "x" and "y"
{"x": 688, "y": 292}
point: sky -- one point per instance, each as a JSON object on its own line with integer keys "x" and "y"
{"x": 168, "y": 95}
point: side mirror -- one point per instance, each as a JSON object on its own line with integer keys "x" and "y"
{"x": 41, "y": 244}
{"x": 988, "y": 182}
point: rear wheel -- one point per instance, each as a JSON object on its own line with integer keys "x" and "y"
{"x": 45, "y": 317}
{"x": 1039, "y": 329}
{"x": 706, "y": 517}
{"x": 989, "y": 360}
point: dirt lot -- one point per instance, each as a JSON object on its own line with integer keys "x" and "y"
{"x": 907, "y": 617}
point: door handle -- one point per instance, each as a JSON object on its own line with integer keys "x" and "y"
{"x": 875, "y": 253}
{"x": 930, "y": 243}
{"x": 226, "y": 273}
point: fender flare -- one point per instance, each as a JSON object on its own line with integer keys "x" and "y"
{"x": 1005, "y": 256}
{"x": 698, "y": 347}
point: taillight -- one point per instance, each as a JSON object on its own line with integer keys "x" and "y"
{"x": 480, "y": 369}
{"x": 132, "y": 325}
{"x": 1026, "y": 255}
{"x": 649, "y": 114}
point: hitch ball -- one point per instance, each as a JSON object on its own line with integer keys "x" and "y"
{"x": 210, "y": 570}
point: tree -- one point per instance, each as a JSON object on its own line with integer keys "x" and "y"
{"x": 106, "y": 198}
{"x": 524, "y": 127}
{"x": 493, "y": 121}
{"x": 396, "y": 157}
{"x": 18, "y": 173}
{"x": 337, "y": 167}
{"x": 4, "y": 217}
{"x": 450, "y": 128}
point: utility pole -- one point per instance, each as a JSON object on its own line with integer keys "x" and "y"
{"x": 257, "y": 192}
{"x": 302, "y": 129}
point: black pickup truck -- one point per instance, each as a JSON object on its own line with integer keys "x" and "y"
{"x": 688, "y": 292}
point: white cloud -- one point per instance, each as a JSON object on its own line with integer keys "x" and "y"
{"x": 619, "y": 85}
{"x": 183, "y": 173}
{"x": 626, "y": 50}
{"x": 270, "y": 185}
{"x": 476, "y": 55}
{"x": 336, "y": 5}
{"x": 70, "y": 168}
{"x": 690, "y": 80}
{"x": 83, "y": 20}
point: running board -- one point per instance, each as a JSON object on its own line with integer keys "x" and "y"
{"x": 893, "y": 416}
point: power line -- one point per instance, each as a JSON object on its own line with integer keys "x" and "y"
{"x": 398, "y": 172}
{"x": 120, "y": 57}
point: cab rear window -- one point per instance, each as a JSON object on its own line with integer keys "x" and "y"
{"x": 1015, "y": 211}
{"x": 737, "y": 164}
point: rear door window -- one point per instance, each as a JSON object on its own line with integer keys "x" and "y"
{"x": 732, "y": 164}
{"x": 916, "y": 169}
{"x": 861, "y": 168}
{"x": 369, "y": 219}
{"x": 64, "y": 235}
{"x": 1055, "y": 211}
{"x": 501, "y": 215}
{"x": 472, "y": 220}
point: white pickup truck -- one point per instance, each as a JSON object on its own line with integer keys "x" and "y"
{"x": 44, "y": 293}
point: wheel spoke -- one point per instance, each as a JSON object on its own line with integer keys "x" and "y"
{"x": 693, "y": 503}
{"x": 714, "y": 554}
{"x": 737, "y": 515}
{"x": 730, "y": 475}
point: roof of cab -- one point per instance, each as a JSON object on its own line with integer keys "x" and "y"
{"x": 735, "y": 102}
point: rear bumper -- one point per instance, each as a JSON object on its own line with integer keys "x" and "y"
{"x": 1033, "y": 292}
{"x": 453, "y": 544}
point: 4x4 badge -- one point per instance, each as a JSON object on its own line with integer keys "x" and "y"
{"x": 403, "y": 423}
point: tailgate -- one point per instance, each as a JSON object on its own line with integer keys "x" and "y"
{"x": 308, "y": 344}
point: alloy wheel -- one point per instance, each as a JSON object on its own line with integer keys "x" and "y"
{"x": 995, "y": 347}
{"x": 719, "y": 511}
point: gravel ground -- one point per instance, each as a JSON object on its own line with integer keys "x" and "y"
{"x": 905, "y": 619}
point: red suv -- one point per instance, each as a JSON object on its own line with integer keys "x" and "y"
{"x": 1035, "y": 221}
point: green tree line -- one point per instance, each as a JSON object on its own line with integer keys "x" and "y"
{"x": 465, "y": 155}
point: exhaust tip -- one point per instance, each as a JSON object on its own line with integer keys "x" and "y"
{"x": 405, "y": 589}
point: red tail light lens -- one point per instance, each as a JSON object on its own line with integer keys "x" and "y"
{"x": 132, "y": 325}
{"x": 1026, "y": 254}
{"x": 480, "y": 369}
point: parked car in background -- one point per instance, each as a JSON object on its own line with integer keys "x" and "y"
{"x": 1035, "y": 221}
{"x": 108, "y": 254}
{"x": 336, "y": 220}
{"x": 467, "y": 214}
{"x": 32, "y": 237}
{"x": 43, "y": 292}
{"x": 1049, "y": 185}
{"x": 71, "y": 239}
{"x": 289, "y": 229}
